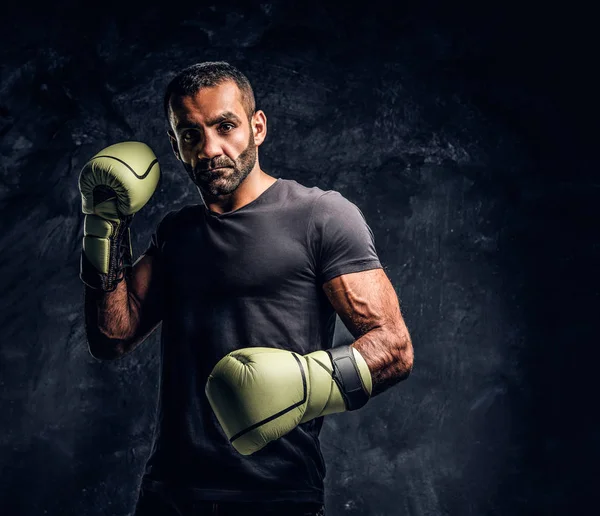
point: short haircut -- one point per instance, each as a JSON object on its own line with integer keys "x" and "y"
{"x": 207, "y": 75}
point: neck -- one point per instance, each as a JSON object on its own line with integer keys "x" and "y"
{"x": 251, "y": 188}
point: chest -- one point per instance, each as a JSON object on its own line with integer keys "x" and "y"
{"x": 227, "y": 259}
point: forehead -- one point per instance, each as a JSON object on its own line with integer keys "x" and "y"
{"x": 208, "y": 103}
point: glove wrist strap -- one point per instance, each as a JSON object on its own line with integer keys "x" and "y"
{"x": 120, "y": 261}
{"x": 346, "y": 375}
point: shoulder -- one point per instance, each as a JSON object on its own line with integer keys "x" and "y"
{"x": 293, "y": 190}
{"x": 332, "y": 205}
{"x": 314, "y": 196}
{"x": 176, "y": 220}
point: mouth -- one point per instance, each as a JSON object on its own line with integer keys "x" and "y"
{"x": 209, "y": 171}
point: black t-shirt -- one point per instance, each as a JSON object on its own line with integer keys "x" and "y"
{"x": 250, "y": 277}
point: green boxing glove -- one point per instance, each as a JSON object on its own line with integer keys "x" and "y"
{"x": 115, "y": 184}
{"x": 260, "y": 394}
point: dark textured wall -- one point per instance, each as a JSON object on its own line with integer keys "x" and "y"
{"x": 459, "y": 130}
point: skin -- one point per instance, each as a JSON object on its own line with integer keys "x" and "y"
{"x": 368, "y": 305}
{"x": 210, "y": 130}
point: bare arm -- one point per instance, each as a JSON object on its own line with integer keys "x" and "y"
{"x": 117, "y": 322}
{"x": 367, "y": 304}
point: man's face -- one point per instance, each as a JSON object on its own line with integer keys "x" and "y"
{"x": 213, "y": 138}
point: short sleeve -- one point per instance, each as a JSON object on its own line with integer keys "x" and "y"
{"x": 157, "y": 239}
{"x": 341, "y": 240}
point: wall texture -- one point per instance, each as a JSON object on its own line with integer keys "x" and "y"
{"x": 461, "y": 133}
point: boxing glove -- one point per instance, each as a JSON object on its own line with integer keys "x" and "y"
{"x": 260, "y": 394}
{"x": 114, "y": 184}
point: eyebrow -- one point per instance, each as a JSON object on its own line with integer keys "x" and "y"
{"x": 226, "y": 115}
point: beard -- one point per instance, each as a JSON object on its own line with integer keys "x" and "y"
{"x": 223, "y": 181}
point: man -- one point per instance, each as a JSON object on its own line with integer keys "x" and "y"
{"x": 246, "y": 286}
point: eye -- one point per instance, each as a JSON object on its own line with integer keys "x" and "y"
{"x": 226, "y": 127}
{"x": 188, "y": 136}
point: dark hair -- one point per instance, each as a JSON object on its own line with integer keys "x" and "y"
{"x": 207, "y": 75}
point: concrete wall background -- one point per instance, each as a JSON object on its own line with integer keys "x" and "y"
{"x": 462, "y": 134}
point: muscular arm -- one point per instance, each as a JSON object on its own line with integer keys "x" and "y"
{"x": 367, "y": 304}
{"x": 117, "y": 322}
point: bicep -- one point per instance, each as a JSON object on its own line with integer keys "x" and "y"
{"x": 365, "y": 301}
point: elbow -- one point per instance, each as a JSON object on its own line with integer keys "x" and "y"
{"x": 102, "y": 355}
{"x": 104, "y": 348}
{"x": 408, "y": 360}
{"x": 404, "y": 356}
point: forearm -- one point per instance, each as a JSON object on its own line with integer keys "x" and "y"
{"x": 110, "y": 321}
{"x": 389, "y": 355}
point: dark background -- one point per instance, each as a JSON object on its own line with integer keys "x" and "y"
{"x": 464, "y": 133}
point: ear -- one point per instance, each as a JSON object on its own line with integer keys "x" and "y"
{"x": 258, "y": 124}
{"x": 174, "y": 146}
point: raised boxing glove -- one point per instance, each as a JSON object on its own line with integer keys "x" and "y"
{"x": 260, "y": 394}
{"x": 114, "y": 184}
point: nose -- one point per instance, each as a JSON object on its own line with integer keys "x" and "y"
{"x": 209, "y": 147}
